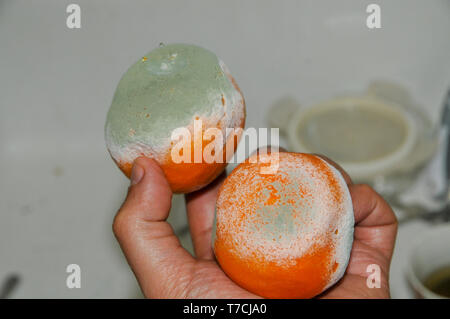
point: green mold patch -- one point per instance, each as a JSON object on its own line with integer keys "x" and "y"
{"x": 164, "y": 90}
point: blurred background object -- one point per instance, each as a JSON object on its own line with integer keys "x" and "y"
{"x": 60, "y": 190}
{"x": 428, "y": 267}
{"x": 380, "y": 137}
{"x": 9, "y": 284}
{"x": 370, "y": 134}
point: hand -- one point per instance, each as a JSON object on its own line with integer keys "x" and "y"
{"x": 164, "y": 269}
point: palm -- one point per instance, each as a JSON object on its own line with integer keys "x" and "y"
{"x": 207, "y": 280}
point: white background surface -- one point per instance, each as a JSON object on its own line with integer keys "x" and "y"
{"x": 59, "y": 189}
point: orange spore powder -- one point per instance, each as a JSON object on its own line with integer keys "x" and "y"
{"x": 188, "y": 177}
{"x": 276, "y": 233}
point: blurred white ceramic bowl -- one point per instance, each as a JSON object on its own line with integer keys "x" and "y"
{"x": 378, "y": 134}
{"x": 429, "y": 253}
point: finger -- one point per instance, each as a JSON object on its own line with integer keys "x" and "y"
{"x": 147, "y": 240}
{"x": 376, "y": 224}
{"x": 200, "y": 207}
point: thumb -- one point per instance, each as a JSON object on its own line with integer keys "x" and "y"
{"x": 153, "y": 251}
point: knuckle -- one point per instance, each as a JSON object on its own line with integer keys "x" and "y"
{"x": 368, "y": 192}
{"x": 120, "y": 224}
{"x": 367, "y": 189}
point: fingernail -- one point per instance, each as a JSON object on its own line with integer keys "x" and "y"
{"x": 137, "y": 173}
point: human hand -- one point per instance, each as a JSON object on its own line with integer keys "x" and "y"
{"x": 164, "y": 269}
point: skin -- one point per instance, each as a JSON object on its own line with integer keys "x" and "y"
{"x": 164, "y": 269}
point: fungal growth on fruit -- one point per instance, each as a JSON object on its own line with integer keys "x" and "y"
{"x": 287, "y": 234}
{"x": 167, "y": 89}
